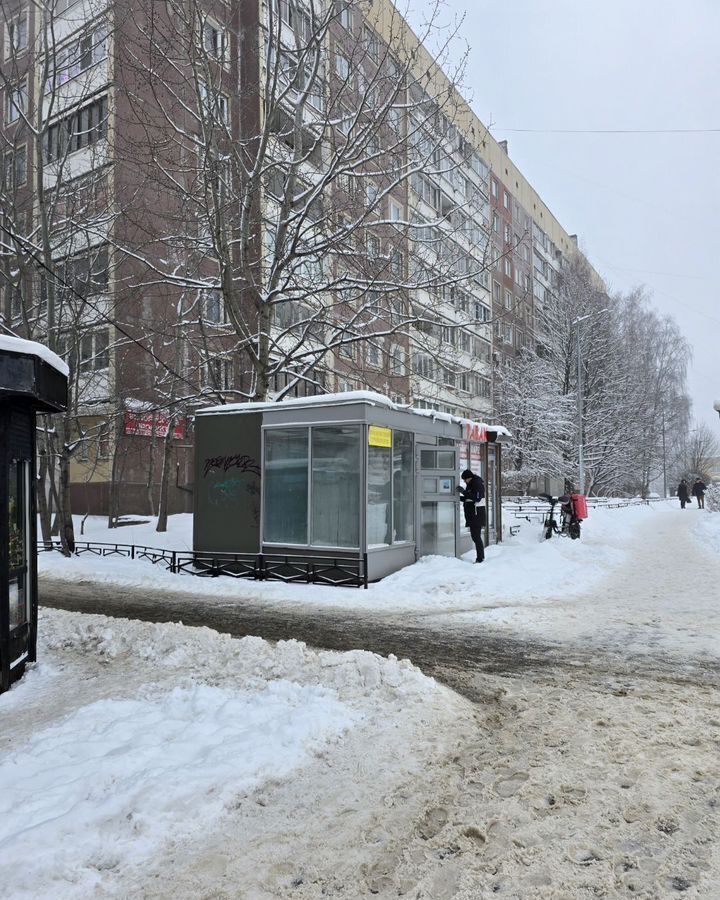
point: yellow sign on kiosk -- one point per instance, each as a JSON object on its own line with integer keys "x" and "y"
{"x": 378, "y": 436}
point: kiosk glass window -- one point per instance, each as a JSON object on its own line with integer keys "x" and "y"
{"x": 18, "y": 511}
{"x": 336, "y": 486}
{"x": 379, "y": 509}
{"x": 403, "y": 487}
{"x": 286, "y": 486}
{"x": 438, "y": 528}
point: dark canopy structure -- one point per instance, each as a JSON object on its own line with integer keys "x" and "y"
{"x": 32, "y": 380}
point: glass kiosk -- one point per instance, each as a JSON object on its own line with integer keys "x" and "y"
{"x": 32, "y": 380}
{"x": 352, "y": 476}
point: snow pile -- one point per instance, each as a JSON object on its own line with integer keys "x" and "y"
{"x": 103, "y": 787}
{"x": 712, "y": 498}
{"x": 707, "y": 530}
{"x": 251, "y": 660}
{"x": 129, "y": 738}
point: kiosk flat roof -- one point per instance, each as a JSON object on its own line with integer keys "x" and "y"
{"x": 345, "y": 399}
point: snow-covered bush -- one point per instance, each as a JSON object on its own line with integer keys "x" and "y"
{"x": 712, "y": 498}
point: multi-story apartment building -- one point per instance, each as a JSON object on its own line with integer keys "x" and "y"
{"x": 208, "y": 201}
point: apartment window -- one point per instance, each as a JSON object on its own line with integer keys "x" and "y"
{"x": 497, "y": 292}
{"x": 482, "y": 312}
{"x": 496, "y": 223}
{"x": 394, "y": 120}
{"x": 14, "y": 172}
{"x": 342, "y": 66}
{"x": 62, "y": 5}
{"x": 82, "y": 128}
{"x": 447, "y": 335}
{"x": 13, "y": 300}
{"x": 507, "y": 266}
{"x": 214, "y": 104}
{"x": 215, "y": 41}
{"x": 84, "y": 275}
{"x": 482, "y": 386}
{"x": 345, "y": 16}
{"x": 77, "y": 57}
{"x": 395, "y": 211}
{"x": 212, "y": 307}
{"x": 16, "y": 99}
{"x": 344, "y": 121}
{"x": 103, "y": 442}
{"x": 397, "y": 263}
{"x": 373, "y": 355}
{"x": 95, "y": 351}
{"x": 373, "y": 246}
{"x": 372, "y": 192}
{"x": 506, "y": 200}
{"x": 398, "y": 361}
{"x": 16, "y": 36}
{"x": 494, "y": 187}
{"x": 423, "y": 365}
{"x": 508, "y": 300}
{"x": 507, "y": 234}
{"x": 217, "y": 374}
{"x": 449, "y": 377}
{"x": 371, "y": 43}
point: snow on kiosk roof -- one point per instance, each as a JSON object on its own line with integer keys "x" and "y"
{"x": 352, "y": 476}
{"x": 350, "y": 397}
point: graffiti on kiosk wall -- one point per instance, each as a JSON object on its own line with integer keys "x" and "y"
{"x": 243, "y": 462}
{"x": 230, "y": 491}
{"x": 235, "y": 489}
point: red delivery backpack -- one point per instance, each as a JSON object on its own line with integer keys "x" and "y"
{"x": 579, "y": 504}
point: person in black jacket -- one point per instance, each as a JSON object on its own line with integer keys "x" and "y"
{"x": 698, "y": 490}
{"x": 472, "y": 497}
{"x": 683, "y": 493}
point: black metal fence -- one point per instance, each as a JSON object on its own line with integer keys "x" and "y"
{"x": 534, "y": 509}
{"x": 344, "y": 571}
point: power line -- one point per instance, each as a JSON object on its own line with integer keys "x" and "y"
{"x": 608, "y": 130}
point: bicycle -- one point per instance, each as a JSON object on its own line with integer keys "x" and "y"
{"x": 571, "y": 516}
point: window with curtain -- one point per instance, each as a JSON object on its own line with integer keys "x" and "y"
{"x": 336, "y": 486}
{"x": 403, "y": 486}
{"x": 379, "y": 509}
{"x": 286, "y": 486}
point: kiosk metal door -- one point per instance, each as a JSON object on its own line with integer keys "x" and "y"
{"x": 437, "y": 527}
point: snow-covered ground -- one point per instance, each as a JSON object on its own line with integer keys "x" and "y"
{"x": 129, "y": 741}
{"x": 523, "y": 567}
{"x": 160, "y": 761}
{"x": 640, "y": 577}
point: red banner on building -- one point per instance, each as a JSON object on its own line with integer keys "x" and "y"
{"x": 149, "y": 424}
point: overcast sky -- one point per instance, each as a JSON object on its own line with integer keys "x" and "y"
{"x": 645, "y": 206}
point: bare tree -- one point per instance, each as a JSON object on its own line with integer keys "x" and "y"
{"x": 55, "y": 220}
{"x": 288, "y": 208}
{"x": 701, "y": 451}
{"x": 634, "y": 404}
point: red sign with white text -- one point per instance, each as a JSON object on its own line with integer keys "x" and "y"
{"x": 149, "y": 424}
{"x": 475, "y": 432}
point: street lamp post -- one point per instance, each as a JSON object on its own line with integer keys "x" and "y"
{"x": 664, "y": 455}
{"x": 581, "y": 461}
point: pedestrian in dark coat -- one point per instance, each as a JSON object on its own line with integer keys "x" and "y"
{"x": 472, "y": 497}
{"x": 683, "y": 493}
{"x": 698, "y": 491}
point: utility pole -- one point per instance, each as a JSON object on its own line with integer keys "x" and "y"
{"x": 664, "y": 455}
{"x": 581, "y": 462}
